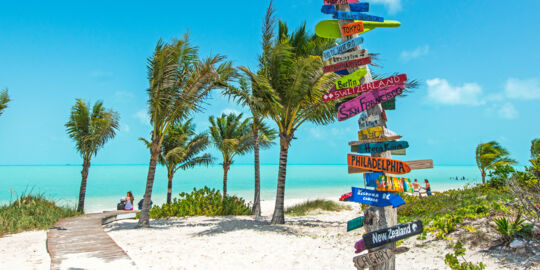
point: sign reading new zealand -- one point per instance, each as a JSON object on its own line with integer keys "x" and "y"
{"x": 392, "y": 234}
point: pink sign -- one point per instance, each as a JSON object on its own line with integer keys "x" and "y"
{"x": 366, "y": 101}
{"x": 339, "y": 2}
{"x": 335, "y": 94}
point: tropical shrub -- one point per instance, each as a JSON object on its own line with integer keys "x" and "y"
{"x": 511, "y": 230}
{"x": 202, "y": 202}
{"x": 451, "y": 259}
{"x": 31, "y": 212}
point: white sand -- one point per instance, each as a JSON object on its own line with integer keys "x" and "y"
{"x": 318, "y": 241}
{"x": 25, "y": 250}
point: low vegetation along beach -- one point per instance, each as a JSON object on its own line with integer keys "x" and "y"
{"x": 188, "y": 209}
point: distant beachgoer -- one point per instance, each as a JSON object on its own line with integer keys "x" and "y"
{"x": 416, "y": 188}
{"x": 141, "y": 203}
{"x": 428, "y": 187}
{"x": 129, "y": 201}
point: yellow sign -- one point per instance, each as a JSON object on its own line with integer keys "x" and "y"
{"x": 370, "y": 133}
{"x": 351, "y": 80}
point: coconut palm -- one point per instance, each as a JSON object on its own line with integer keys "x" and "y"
{"x": 179, "y": 82}
{"x": 4, "y": 99}
{"x": 181, "y": 150}
{"x": 257, "y": 100}
{"x": 231, "y": 135}
{"x": 291, "y": 67}
{"x": 489, "y": 155}
{"x": 90, "y": 130}
{"x": 535, "y": 147}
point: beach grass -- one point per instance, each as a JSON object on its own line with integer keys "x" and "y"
{"x": 319, "y": 204}
{"x": 31, "y": 212}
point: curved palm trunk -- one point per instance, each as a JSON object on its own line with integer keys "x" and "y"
{"x": 82, "y": 191}
{"x": 144, "y": 220}
{"x": 257, "y": 197}
{"x": 170, "y": 176}
{"x": 226, "y": 167}
{"x": 279, "y": 211}
{"x": 483, "y": 177}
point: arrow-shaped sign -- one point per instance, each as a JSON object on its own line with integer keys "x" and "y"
{"x": 392, "y": 234}
{"x": 375, "y": 198}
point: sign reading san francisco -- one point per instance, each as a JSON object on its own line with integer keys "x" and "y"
{"x": 368, "y": 100}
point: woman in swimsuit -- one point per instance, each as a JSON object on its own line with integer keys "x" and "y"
{"x": 129, "y": 201}
{"x": 428, "y": 187}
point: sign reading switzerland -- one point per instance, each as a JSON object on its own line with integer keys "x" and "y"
{"x": 335, "y": 94}
{"x": 378, "y": 164}
{"x": 392, "y": 234}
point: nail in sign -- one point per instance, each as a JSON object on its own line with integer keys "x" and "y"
{"x": 352, "y": 28}
{"x": 346, "y": 65}
{"x": 390, "y": 81}
{"x": 372, "y": 259}
{"x": 392, "y": 234}
{"x": 343, "y": 47}
{"x": 368, "y": 100}
{"x": 378, "y": 164}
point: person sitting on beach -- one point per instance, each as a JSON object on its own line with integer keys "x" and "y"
{"x": 141, "y": 204}
{"x": 129, "y": 201}
{"x": 428, "y": 187}
{"x": 416, "y": 188}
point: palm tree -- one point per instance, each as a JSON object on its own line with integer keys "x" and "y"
{"x": 90, "y": 131}
{"x": 257, "y": 100}
{"x": 4, "y": 99}
{"x": 291, "y": 67}
{"x": 179, "y": 82}
{"x": 535, "y": 147}
{"x": 180, "y": 150}
{"x": 231, "y": 135}
{"x": 489, "y": 155}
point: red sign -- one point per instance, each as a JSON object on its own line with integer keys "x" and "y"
{"x": 335, "y": 94}
{"x": 346, "y": 65}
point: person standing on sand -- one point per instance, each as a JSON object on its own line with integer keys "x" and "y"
{"x": 428, "y": 187}
{"x": 416, "y": 188}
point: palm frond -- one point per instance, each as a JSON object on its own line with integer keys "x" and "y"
{"x": 4, "y": 100}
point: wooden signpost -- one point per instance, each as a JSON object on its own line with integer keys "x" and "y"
{"x": 351, "y": 16}
{"x": 381, "y": 147}
{"x": 355, "y": 223}
{"x": 370, "y": 133}
{"x": 382, "y": 139}
{"x": 331, "y": 28}
{"x": 358, "y": 7}
{"x": 349, "y": 64}
{"x": 344, "y": 57}
{"x": 351, "y": 80}
{"x": 339, "y": 2}
{"x": 352, "y": 28}
{"x": 368, "y": 100}
{"x": 372, "y": 259}
{"x": 392, "y": 234}
{"x": 378, "y": 164}
{"x": 343, "y": 47}
{"x": 375, "y": 198}
{"x": 374, "y": 85}
{"x": 414, "y": 165}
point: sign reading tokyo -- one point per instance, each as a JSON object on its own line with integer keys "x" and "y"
{"x": 368, "y": 100}
{"x": 372, "y": 259}
{"x": 390, "y": 81}
{"x": 392, "y": 234}
{"x": 381, "y": 147}
{"x": 352, "y": 28}
{"x": 343, "y": 47}
{"x": 375, "y": 198}
{"x": 378, "y": 164}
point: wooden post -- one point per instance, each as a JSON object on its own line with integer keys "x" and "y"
{"x": 375, "y": 218}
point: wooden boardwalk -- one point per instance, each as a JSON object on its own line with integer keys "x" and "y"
{"x": 81, "y": 243}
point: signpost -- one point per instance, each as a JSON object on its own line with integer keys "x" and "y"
{"x": 358, "y": 7}
{"x": 351, "y": 80}
{"x": 414, "y": 165}
{"x": 370, "y": 133}
{"x": 381, "y": 147}
{"x": 331, "y": 28}
{"x": 349, "y": 64}
{"x": 355, "y": 223}
{"x": 344, "y": 57}
{"x": 378, "y": 164}
{"x": 375, "y": 198}
{"x": 380, "y": 237}
{"x": 368, "y": 100}
{"x": 372, "y": 259}
{"x": 347, "y": 15}
{"x": 352, "y": 28}
{"x": 391, "y": 81}
{"x": 343, "y": 47}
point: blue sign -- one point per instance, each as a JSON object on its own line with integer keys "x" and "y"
{"x": 371, "y": 178}
{"x": 358, "y": 7}
{"x": 343, "y": 47}
{"x": 375, "y": 198}
{"x": 345, "y": 15}
{"x": 382, "y": 147}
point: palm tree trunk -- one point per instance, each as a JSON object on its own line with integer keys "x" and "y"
{"x": 257, "y": 196}
{"x": 144, "y": 220}
{"x": 279, "y": 211}
{"x": 82, "y": 191}
{"x": 169, "y": 186}
{"x": 483, "y": 177}
{"x": 226, "y": 167}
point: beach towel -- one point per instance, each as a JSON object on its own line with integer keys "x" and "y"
{"x": 345, "y": 197}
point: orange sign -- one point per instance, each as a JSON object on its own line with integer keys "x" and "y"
{"x": 377, "y": 164}
{"x": 352, "y": 28}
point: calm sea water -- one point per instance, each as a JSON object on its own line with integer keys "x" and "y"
{"x": 108, "y": 183}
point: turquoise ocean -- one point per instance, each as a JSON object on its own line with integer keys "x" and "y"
{"x": 108, "y": 183}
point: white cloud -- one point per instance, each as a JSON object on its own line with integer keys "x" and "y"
{"x": 393, "y": 6}
{"x": 416, "y": 53}
{"x": 507, "y": 111}
{"x": 230, "y": 110}
{"x": 522, "y": 89}
{"x": 124, "y": 127}
{"x": 440, "y": 91}
{"x": 143, "y": 116}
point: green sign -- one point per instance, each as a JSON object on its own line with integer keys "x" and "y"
{"x": 390, "y": 105}
{"x": 355, "y": 223}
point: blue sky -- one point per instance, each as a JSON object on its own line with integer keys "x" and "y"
{"x": 477, "y": 61}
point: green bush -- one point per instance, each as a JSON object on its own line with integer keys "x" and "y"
{"x": 451, "y": 259}
{"x": 305, "y": 207}
{"x": 202, "y": 202}
{"x": 31, "y": 212}
{"x": 511, "y": 230}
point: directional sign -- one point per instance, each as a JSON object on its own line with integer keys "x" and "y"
{"x": 352, "y": 79}
{"x": 392, "y": 234}
{"x": 368, "y": 100}
{"x": 355, "y": 223}
{"x": 346, "y": 65}
{"x": 343, "y": 47}
{"x": 413, "y": 164}
{"x": 382, "y": 139}
{"x": 352, "y": 28}
{"x": 370, "y": 133}
{"x": 379, "y": 84}
{"x": 339, "y": 2}
{"x": 375, "y": 198}
{"x": 331, "y": 29}
{"x": 369, "y": 148}
{"x": 357, "y": 7}
{"x": 359, "y": 246}
{"x": 344, "y": 57}
{"x": 346, "y": 15}
{"x": 372, "y": 259}
{"x": 378, "y": 164}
